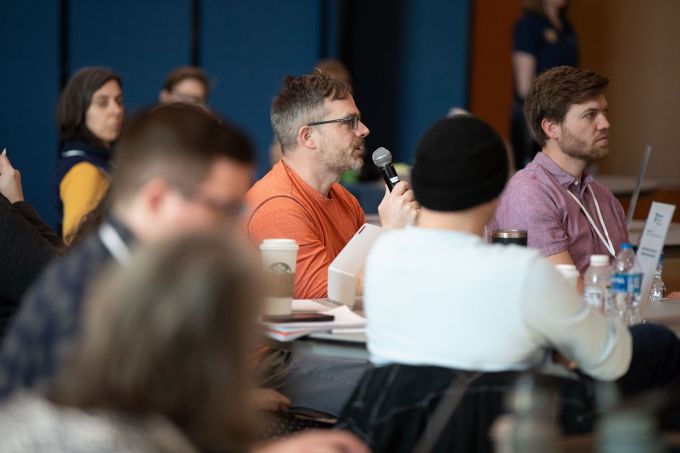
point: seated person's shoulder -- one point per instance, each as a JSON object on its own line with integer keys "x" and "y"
{"x": 275, "y": 183}
{"x": 279, "y": 216}
{"x": 274, "y": 205}
{"x": 73, "y": 270}
{"x": 524, "y": 181}
{"x": 525, "y": 194}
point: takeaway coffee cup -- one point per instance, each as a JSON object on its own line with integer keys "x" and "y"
{"x": 518, "y": 237}
{"x": 278, "y": 258}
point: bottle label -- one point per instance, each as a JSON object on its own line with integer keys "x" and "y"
{"x": 594, "y": 296}
{"x": 626, "y": 283}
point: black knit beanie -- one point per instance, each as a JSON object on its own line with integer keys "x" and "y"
{"x": 460, "y": 163}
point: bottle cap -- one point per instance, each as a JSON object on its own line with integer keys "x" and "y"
{"x": 626, "y": 246}
{"x": 599, "y": 260}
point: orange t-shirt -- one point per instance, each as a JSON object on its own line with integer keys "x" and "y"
{"x": 283, "y": 205}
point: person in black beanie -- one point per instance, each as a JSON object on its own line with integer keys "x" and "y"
{"x": 442, "y": 304}
{"x": 460, "y": 163}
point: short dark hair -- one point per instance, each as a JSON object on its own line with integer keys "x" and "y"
{"x": 177, "y": 142}
{"x": 557, "y": 89}
{"x": 335, "y": 69}
{"x": 300, "y": 101}
{"x": 182, "y": 73}
{"x": 172, "y": 335}
{"x": 76, "y": 98}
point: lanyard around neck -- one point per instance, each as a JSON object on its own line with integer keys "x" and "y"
{"x": 114, "y": 243}
{"x": 608, "y": 243}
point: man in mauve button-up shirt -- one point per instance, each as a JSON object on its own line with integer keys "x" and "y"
{"x": 567, "y": 112}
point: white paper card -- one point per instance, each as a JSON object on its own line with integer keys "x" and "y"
{"x": 344, "y": 268}
{"x": 308, "y": 305}
{"x": 651, "y": 243}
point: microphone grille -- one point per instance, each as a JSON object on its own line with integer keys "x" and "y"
{"x": 382, "y": 157}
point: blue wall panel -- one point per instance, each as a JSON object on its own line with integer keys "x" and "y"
{"x": 140, "y": 39}
{"x": 408, "y": 58}
{"x": 30, "y": 85}
{"x": 409, "y": 62}
{"x": 434, "y": 55}
{"x": 247, "y": 48}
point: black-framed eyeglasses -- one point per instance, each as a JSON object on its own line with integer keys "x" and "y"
{"x": 352, "y": 120}
{"x": 188, "y": 98}
{"x": 228, "y": 209}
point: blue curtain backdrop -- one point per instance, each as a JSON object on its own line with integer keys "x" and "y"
{"x": 408, "y": 58}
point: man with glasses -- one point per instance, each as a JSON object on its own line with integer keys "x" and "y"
{"x": 177, "y": 169}
{"x": 319, "y": 127}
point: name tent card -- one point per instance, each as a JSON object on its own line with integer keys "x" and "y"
{"x": 651, "y": 243}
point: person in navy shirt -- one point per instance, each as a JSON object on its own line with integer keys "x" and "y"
{"x": 543, "y": 38}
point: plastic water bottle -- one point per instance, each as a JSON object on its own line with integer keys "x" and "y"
{"x": 597, "y": 282}
{"x": 528, "y": 426}
{"x": 626, "y": 281}
{"x": 658, "y": 289}
{"x": 631, "y": 428}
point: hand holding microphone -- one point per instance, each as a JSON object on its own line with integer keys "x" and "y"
{"x": 398, "y": 207}
{"x": 382, "y": 159}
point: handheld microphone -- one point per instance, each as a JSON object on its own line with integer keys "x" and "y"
{"x": 382, "y": 159}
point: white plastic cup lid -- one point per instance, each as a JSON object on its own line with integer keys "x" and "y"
{"x": 568, "y": 270}
{"x": 279, "y": 244}
{"x": 599, "y": 260}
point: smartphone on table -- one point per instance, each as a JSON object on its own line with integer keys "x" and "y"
{"x": 298, "y": 317}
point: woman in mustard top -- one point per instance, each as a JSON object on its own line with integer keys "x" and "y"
{"x": 90, "y": 116}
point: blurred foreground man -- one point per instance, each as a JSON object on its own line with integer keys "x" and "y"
{"x": 177, "y": 169}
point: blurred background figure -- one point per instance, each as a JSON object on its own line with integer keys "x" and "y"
{"x": 90, "y": 117}
{"x": 185, "y": 309}
{"x": 543, "y": 38}
{"x": 334, "y": 69}
{"x": 28, "y": 244}
{"x": 185, "y": 84}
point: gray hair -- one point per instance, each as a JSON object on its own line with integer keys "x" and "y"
{"x": 300, "y": 101}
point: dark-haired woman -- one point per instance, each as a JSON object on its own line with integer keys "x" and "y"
{"x": 90, "y": 116}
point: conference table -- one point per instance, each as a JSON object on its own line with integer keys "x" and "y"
{"x": 622, "y": 185}
{"x": 353, "y": 345}
{"x": 350, "y": 345}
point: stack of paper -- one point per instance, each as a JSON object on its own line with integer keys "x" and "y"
{"x": 345, "y": 318}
